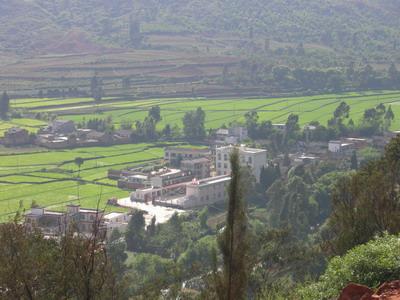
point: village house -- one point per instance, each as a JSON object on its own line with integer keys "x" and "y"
{"x": 340, "y": 147}
{"x": 116, "y": 221}
{"x": 54, "y": 223}
{"x": 157, "y": 179}
{"x": 255, "y": 159}
{"x": 232, "y": 135}
{"x": 176, "y": 154}
{"x": 198, "y": 193}
{"x": 199, "y": 167}
{"x": 133, "y": 181}
{"x": 206, "y": 191}
{"x": 16, "y": 137}
{"x": 122, "y": 136}
{"x": 60, "y": 127}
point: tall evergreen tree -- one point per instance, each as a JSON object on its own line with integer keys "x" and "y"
{"x": 233, "y": 242}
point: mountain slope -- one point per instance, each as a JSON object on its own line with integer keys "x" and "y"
{"x": 343, "y": 24}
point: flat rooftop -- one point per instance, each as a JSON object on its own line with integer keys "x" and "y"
{"x": 187, "y": 149}
{"x": 209, "y": 181}
{"x": 113, "y": 215}
{"x": 243, "y": 149}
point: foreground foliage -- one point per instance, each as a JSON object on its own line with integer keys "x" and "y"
{"x": 370, "y": 264}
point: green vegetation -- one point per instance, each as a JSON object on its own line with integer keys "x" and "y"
{"x": 74, "y": 267}
{"x": 218, "y": 112}
{"x": 371, "y": 264}
{"x": 55, "y": 178}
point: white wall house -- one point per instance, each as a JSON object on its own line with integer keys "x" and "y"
{"x": 339, "y": 146}
{"x": 116, "y": 220}
{"x": 255, "y": 159}
{"x": 206, "y": 191}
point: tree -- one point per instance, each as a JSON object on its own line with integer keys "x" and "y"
{"x": 155, "y": 113}
{"x": 366, "y": 204}
{"x": 292, "y": 123}
{"x": 134, "y": 235}
{"x": 203, "y": 216}
{"x": 79, "y": 162}
{"x": 167, "y": 131}
{"x": 233, "y": 242}
{"x": 4, "y": 105}
{"x": 193, "y": 124}
{"x": 151, "y": 229}
{"x": 269, "y": 175}
{"x": 116, "y": 251}
{"x": 389, "y": 117}
{"x": 354, "y": 161}
{"x": 251, "y": 118}
{"x": 96, "y": 88}
{"x": 394, "y": 76}
{"x": 71, "y": 267}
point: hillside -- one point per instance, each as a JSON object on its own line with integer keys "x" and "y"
{"x": 211, "y": 48}
{"x": 359, "y": 25}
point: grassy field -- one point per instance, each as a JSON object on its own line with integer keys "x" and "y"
{"x": 50, "y": 177}
{"x": 218, "y": 111}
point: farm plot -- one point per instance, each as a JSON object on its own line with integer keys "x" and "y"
{"x": 218, "y": 111}
{"x": 223, "y": 111}
{"x": 52, "y": 179}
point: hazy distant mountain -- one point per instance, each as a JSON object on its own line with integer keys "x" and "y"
{"x": 39, "y": 24}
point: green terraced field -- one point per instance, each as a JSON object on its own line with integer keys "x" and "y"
{"x": 218, "y": 111}
{"x": 49, "y": 178}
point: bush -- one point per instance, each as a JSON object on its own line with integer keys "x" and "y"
{"x": 370, "y": 264}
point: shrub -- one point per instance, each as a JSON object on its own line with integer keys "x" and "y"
{"x": 370, "y": 264}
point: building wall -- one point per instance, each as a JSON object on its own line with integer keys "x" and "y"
{"x": 255, "y": 159}
{"x": 171, "y": 154}
{"x": 199, "y": 170}
{"x": 334, "y": 146}
{"x": 202, "y": 195}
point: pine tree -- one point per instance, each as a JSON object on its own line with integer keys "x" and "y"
{"x": 233, "y": 242}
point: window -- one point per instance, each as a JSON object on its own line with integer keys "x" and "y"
{"x": 225, "y": 166}
{"x": 225, "y": 157}
{"x": 219, "y": 165}
{"x": 250, "y": 160}
{"x": 219, "y": 156}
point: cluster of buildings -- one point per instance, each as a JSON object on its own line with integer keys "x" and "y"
{"x": 79, "y": 220}
{"x": 16, "y": 136}
{"x": 62, "y": 134}
{"x": 199, "y": 176}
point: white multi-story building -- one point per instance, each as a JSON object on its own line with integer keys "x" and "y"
{"x": 255, "y": 159}
{"x": 177, "y": 154}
